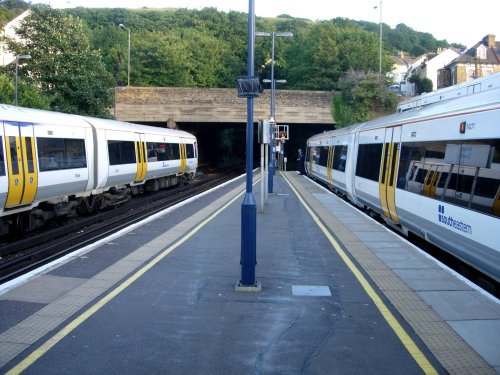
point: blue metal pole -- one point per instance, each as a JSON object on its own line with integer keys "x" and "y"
{"x": 249, "y": 206}
{"x": 270, "y": 170}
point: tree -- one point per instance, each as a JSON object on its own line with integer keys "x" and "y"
{"x": 422, "y": 85}
{"x": 28, "y": 95}
{"x": 327, "y": 50}
{"x": 362, "y": 97}
{"x": 62, "y": 63}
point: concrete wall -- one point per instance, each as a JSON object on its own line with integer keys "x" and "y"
{"x": 179, "y": 104}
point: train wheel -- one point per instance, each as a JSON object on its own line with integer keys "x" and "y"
{"x": 22, "y": 223}
{"x": 88, "y": 205}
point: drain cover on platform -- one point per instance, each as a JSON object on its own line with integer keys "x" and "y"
{"x": 311, "y": 290}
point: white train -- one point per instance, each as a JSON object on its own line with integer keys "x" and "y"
{"x": 54, "y": 164}
{"x": 430, "y": 170}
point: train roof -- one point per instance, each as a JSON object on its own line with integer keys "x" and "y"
{"x": 21, "y": 114}
{"x": 129, "y": 126}
{"x": 485, "y": 99}
{"x": 467, "y": 88}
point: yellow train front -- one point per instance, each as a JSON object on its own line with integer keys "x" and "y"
{"x": 54, "y": 164}
{"x": 432, "y": 171}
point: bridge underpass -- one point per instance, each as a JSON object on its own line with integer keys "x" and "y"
{"x": 217, "y": 117}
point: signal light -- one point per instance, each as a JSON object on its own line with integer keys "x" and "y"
{"x": 462, "y": 127}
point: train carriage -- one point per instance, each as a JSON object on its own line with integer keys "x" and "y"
{"x": 37, "y": 150}
{"x": 54, "y": 164}
{"x": 433, "y": 172}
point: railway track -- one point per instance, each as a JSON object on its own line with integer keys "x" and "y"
{"x": 25, "y": 255}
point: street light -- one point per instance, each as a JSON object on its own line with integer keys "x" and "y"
{"x": 273, "y": 93}
{"x": 128, "y": 69}
{"x": 273, "y": 82}
{"x": 273, "y": 34}
{"x": 19, "y": 57}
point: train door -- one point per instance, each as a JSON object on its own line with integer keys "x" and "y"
{"x": 310, "y": 158}
{"x": 141, "y": 157}
{"x": 329, "y": 165}
{"x": 21, "y": 164}
{"x": 182, "y": 167}
{"x": 388, "y": 172}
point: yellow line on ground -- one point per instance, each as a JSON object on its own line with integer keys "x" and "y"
{"x": 45, "y": 347}
{"x": 409, "y": 344}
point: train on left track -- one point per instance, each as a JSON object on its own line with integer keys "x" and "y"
{"x": 55, "y": 165}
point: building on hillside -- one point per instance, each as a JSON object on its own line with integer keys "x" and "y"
{"x": 400, "y": 67}
{"x": 9, "y": 31}
{"x": 434, "y": 62}
{"x": 480, "y": 60}
{"x": 406, "y": 87}
{"x": 427, "y": 66}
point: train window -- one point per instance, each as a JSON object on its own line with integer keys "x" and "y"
{"x": 314, "y": 155}
{"x": 384, "y": 163}
{"x": 323, "y": 156}
{"x": 420, "y": 177}
{"x": 61, "y": 153}
{"x": 121, "y": 152}
{"x": 442, "y": 179}
{"x": 393, "y": 163}
{"x": 368, "y": 164}
{"x": 465, "y": 174}
{"x": 29, "y": 154}
{"x": 13, "y": 155}
{"x": 2, "y": 160}
{"x": 339, "y": 158}
{"x": 163, "y": 151}
{"x": 138, "y": 150}
{"x": 464, "y": 183}
{"x": 189, "y": 151}
{"x": 176, "y": 151}
{"x": 486, "y": 187}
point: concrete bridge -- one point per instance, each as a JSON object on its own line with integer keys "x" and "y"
{"x": 173, "y": 105}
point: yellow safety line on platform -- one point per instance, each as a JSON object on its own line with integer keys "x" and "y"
{"x": 45, "y": 347}
{"x": 407, "y": 341}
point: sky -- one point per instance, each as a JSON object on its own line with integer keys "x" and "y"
{"x": 457, "y": 22}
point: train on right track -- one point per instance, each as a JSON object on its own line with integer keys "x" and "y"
{"x": 431, "y": 170}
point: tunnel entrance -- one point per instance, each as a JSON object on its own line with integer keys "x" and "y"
{"x": 224, "y": 144}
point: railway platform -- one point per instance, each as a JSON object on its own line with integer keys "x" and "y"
{"x": 339, "y": 294}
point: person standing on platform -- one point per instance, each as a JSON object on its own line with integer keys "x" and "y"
{"x": 300, "y": 160}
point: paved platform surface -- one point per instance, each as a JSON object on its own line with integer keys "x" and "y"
{"x": 340, "y": 295}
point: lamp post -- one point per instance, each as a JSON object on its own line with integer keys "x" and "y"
{"x": 273, "y": 34}
{"x": 19, "y": 57}
{"x": 273, "y": 93}
{"x": 128, "y": 68}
